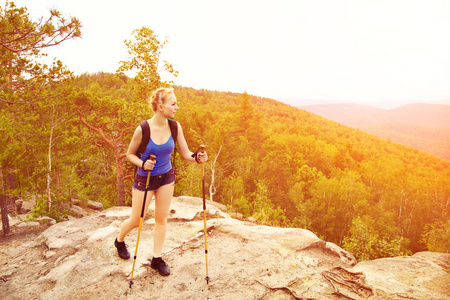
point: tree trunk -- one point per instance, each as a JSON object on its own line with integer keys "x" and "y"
{"x": 57, "y": 177}
{"x": 212, "y": 187}
{"x": 4, "y": 207}
{"x": 49, "y": 171}
{"x": 120, "y": 180}
{"x": 114, "y": 144}
{"x": 5, "y": 218}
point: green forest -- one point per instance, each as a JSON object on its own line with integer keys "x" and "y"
{"x": 65, "y": 136}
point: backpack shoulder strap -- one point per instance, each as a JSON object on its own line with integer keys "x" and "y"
{"x": 173, "y": 129}
{"x": 145, "y": 137}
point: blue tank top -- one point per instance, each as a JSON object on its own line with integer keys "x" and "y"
{"x": 162, "y": 153}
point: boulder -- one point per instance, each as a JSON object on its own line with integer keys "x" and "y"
{"x": 94, "y": 205}
{"x": 77, "y": 211}
{"x": 27, "y": 206}
{"x": 89, "y": 204}
{"x": 420, "y": 276}
{"x": 46, "y": 220}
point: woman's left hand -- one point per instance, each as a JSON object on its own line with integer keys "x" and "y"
{"x": 202, "y": 157}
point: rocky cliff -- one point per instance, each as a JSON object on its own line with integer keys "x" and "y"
{"x": 76, "y": 259}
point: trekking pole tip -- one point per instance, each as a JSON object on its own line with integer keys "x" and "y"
{"x": 207, "y": 279}
{"x": 130, "y": 283}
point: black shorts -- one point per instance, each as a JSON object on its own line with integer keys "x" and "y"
{"x": 155, "y": 181}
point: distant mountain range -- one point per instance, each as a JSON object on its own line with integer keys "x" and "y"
{"x": 425, "y": 127}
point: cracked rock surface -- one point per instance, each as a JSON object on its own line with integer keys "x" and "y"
{"x": 76, "y": 259}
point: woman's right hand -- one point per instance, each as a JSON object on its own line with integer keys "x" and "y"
{"x": 149, "y": 165}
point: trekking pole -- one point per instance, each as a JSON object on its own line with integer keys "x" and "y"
{"x": 152, "y": 157}
{"x": 202, "y": 149}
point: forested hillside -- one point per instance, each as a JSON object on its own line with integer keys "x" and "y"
{"x": 423, "y": 126}
{"x": 288, "y": 167}
{"x": 429, "y": 139}
{"x": 65, "y": 136}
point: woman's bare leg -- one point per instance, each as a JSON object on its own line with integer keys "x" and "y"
{"x": 136, "y": 209}
{"x": 163, "y": 199}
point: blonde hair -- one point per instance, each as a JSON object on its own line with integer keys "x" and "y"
{"x": 160, "y": 96}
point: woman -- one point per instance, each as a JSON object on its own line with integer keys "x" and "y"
{"x": 161, "y": 185}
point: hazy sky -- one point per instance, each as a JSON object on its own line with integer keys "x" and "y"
{"x": 376, "y": 52}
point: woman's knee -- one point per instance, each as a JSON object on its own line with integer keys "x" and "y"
{"x": 161, "y": 220}
{"x": 133, "y": 222}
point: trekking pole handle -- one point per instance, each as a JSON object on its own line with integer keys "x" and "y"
{"x": 202, "y": 149}
{"x": 152, "y": 158}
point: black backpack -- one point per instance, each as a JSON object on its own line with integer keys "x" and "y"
{"x": 146, "y": 138}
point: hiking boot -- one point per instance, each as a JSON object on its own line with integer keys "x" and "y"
{"x": 122, "y": 249}
{"x": 159, "y": 264}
